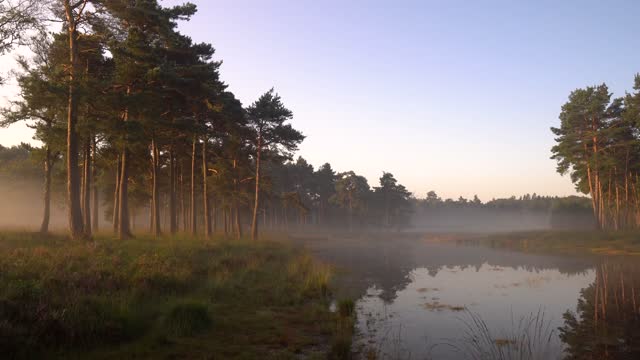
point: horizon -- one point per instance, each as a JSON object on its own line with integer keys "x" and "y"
{"x": 355, "y": 79}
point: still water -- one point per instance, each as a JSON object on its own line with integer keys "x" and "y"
{"x": 472, "y": 302}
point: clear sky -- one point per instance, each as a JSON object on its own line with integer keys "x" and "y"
{"x": 451, "y": 96}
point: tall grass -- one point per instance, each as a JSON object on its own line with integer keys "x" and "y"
{"x": 164, "y": 297}
{"x": 531, "y": 337}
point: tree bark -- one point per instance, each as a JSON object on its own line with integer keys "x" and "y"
{"x": 256, "y": 204}
{"x": 214, "y": 215}
{"x": 76, "y": 226}
{"x": 124, "y": 230}
{"x": 236, "y": 220}
{"x": 234, "y": 202}
{"x": 94, "y": 175}
{"x": 205, "y": 196}
{"x": 116, "y": 196}
{"x": 193, "y": 186}
{"x": 183, "y": 209}
{"x": 173, "y": 225}
{"x": 155, "y": 195}
{"x": 86, "y": 196}
{"x": 44, "y": 227}
{"x": 225, "y": 219}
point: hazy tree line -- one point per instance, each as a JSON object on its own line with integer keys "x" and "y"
{"x": 533, "y": 202}
{"x": 598, "y": 144}
{"x": 296, "y": 197}
{"x": 569, "y": 212}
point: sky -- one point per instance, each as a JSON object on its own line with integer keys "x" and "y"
{"x": 451, "y": 96}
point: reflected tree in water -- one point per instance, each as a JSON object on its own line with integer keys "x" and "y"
{"x": 606, "y": 324}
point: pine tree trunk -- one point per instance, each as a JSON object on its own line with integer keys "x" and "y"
{"x": 236, "y": 220}
{"x": 225, "y": 219}
{"x": 86, "y": 196}
{"x": 116, "y": 197}
{"x": 82, "y": 181}
{"x": 94, "y": 175}
{"x": 44, "y": 227}
{"x": 234, "y": 202}
{"x": 155, "y": 195}
{"x": 214, "y": 215}
{"x": 183, "y": 209}
{"x": 124, "y": 231}
{"x": 173, "y": 224}
{"x": 151, "y": 211}
{"x": 256, "y": 204}
{"x": 193, "y": 187}
{"x": 76, "y": 226}
{"x": 205, "y": 194}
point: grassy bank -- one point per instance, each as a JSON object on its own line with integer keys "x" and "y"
{"x": 568, "y": 242}
{"x": 168, "y": 298}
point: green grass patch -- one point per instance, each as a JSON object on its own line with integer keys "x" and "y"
{"x": 167, "y": 298}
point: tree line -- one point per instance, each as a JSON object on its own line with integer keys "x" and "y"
{"x": 139, "y": 115}
{"x": 598, "y": 144}
{"x": 120, "y": 87}
{"x": 526, "y": 202}
{"x": 297, "y": 197}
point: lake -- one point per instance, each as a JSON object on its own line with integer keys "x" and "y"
{"x": 437, "y": 300}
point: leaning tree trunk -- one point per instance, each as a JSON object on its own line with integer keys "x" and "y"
{"x": 116, "y": 196}
{"x": 76, "y": 226}
{"x": 193, "y": 187}
{"x": 254, "y": 221}
{"x": 205, "y": 196}
{"x": 44, "y": 227}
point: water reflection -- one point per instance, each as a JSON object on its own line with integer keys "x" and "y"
{"x": 433, "y": 315}
{"x": 606, "y": 323}
{"x": 416, "y": 298}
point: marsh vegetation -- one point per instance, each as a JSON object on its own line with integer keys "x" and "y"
{"x": 162, "y": 298}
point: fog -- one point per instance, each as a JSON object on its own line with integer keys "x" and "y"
{"x": 482, "y": 220}
{"x": 22, "y": 208}
{"x": 21, "y": 205}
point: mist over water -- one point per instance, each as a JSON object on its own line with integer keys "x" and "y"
{"x": 481, "y": 220}
{"x": 426, "y": 297}
{"x": 487, "y": 220}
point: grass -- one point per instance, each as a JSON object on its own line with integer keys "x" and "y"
{"x": 167, "y": 298}
{"x": 530, "y": 338}
{"x": 569, "y": 242}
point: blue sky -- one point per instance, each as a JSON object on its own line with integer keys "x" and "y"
{"x": 451, "y": 96}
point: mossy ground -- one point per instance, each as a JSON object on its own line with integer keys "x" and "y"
{"x": 164, "y": 298}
